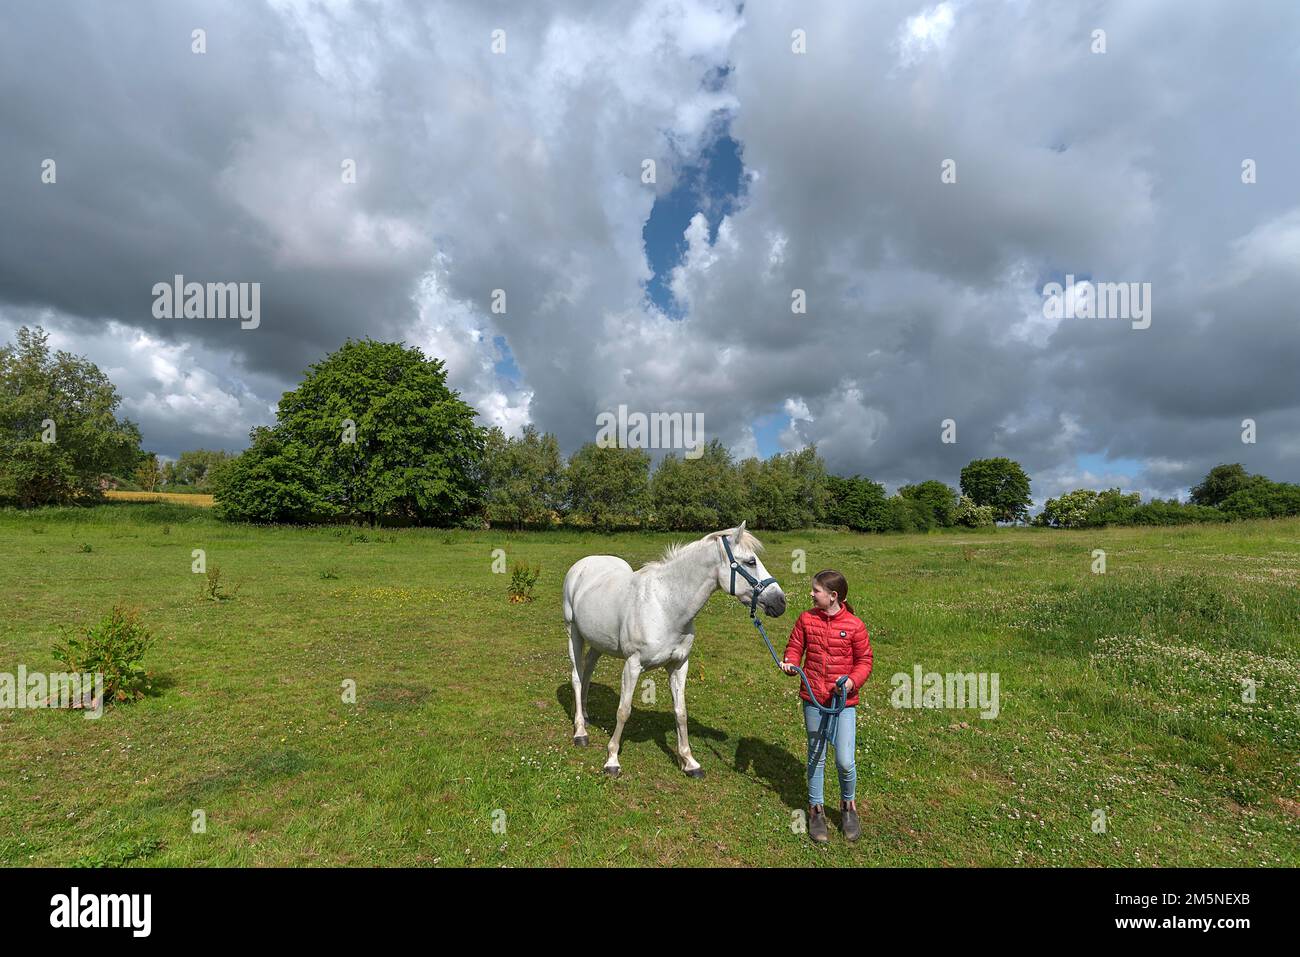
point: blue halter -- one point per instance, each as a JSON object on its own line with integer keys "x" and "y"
{"x": 754, "y": 583}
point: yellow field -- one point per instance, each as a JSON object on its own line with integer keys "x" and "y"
{"x": 201, "y": 501}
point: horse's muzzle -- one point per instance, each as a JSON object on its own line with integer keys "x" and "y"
{"x": 773, "y": 604}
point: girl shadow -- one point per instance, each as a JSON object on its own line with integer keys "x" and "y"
{"x": 783, "y": 773}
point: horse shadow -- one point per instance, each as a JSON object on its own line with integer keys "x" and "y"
{"x": 782, "y": 773}
{"x": 643, "y": 724}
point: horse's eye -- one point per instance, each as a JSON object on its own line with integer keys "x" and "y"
{"x": 751, "y": 562}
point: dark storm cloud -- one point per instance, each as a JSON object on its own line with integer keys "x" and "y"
{"x": 143, "y": 132}
{"x": 520, "y": 172}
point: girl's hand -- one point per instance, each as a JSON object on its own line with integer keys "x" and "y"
{"x": 788, "y": 668}
{"x": 848, "y": 686}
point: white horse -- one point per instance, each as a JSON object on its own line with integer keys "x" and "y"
{"x": 647, "y": 618}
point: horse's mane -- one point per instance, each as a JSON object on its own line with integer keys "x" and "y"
{"x": 674, "y": 550}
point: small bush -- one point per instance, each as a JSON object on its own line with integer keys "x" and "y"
{"x": 211, "y": 589}
{"x": 522, "y": 580}
{"x": 114, "y": 648}
{"x": 974, "y": 516}
{"x": 1069, "y": 511}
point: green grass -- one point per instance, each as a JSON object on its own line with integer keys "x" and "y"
{"x": 1121, "y": 692}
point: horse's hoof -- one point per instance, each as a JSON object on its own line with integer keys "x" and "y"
{"x": 613, "y": 772}
{"x": 695, "y": 773}
{"x": 580, "y": 741}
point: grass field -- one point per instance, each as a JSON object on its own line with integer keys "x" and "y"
{"x": 1121, "y": 692}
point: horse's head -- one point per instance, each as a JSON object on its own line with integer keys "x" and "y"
{"x": 748, "y": 573}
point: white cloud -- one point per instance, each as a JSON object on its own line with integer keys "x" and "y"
{"x": 925, "y": 32}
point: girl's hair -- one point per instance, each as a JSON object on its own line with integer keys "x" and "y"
{"x": 831, "y": 580}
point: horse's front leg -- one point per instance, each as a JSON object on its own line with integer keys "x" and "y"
{"x": 677, "y": 682}
{"x": 631, "y": 672}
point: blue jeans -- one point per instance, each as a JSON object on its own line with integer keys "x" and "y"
{"x": 843, "y": 732}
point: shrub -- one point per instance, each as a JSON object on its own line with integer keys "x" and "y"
{"x": 939, "y": 500}
{"x": 1113, "y": 507}
{"x": 857, "y": 503}
{"x": 1174, "y": 512}
{"x": 1071, "y": 510}
{"x": 211, "y": 589}
{"x": 1263, "y": 499}
{"x": 522, "y": 580}
{"x": 974, "y": 516}
{"x": 907, "y": 515}
{"x": 114, "y": 648}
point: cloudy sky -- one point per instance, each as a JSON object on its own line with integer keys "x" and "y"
{"x": 796, "y": 146}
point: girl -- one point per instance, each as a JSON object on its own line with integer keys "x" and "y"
{"x": 832, "y": 641}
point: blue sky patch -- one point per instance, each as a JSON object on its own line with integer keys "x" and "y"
{"x": 712, "y": 185}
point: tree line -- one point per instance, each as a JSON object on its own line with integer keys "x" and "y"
{"x": 374, "y": 434}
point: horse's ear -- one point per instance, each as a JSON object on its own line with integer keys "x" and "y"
{"x": 740, "y": 529}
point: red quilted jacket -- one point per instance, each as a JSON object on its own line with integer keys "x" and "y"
{"x": 831, "y": 647}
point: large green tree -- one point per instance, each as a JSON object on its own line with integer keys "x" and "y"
{"x": 523, "y": 479}
{"x": 785, "y": 491}
{"x": 148, "y": 474}
{"x": 1222, "y": 481}
{"x": 59, "y": 428}
{"x": 999, "y": 483}
{"x": 272, "y": 481}
{"x": 373, "y": 432}
{"x": 697, "y": 494}
{"x": 858, "y": 503}
{"x": 609, "y": 486}
{"x": 934, "y": 498}
{"x": 196, "y": 467}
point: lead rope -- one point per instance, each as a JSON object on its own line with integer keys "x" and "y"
{"x": 826, "y": 730}
{"x": 839, "y": 698}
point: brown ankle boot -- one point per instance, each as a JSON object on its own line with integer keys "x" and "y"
{"x": 817, "y": 829}
{"x": 849, "y": 823}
